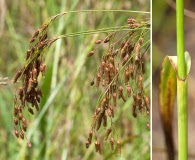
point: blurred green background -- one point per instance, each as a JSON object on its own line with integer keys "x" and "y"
{"x": 60, "y": 129}
{"x": 164, "y": 43}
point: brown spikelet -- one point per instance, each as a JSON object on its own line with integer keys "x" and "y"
{"x": 98, "y": 78}
{"x": 28, "y": 52}
{"x": 16, "y": 110}
{"x": 44, "y": 27}
{"x": 24, "y": 127}
{"x": 112, "y": 144}
{"x": 109, "y": 112}
{"x": 29, "y": 144}
{"x": 41, "y": 45}
{"x": 15, "y": 121}
{"x": 115, "y": 52}
{"x": 98, "y": 41}
{"x": 31, "y": 110}
{"x": 129, "y": 90}
{"x": 97, "y": 146}
{"x": 120, "y": 95}
{"x": 99, "y": 121}
{"x": 22, "y": 135}
{"x": 30, "y": 84}
{"x": 140, "y": 83}
{"x": 103, "y": 83}
{"x": 18, "y": 74}
{"x": 24, "y": 121}
{"x": 94, "y": 120}
{"x": 91, "y": 53}
{"x": 104, "y": 120}
{"x": 90, "y": 136}
{"x": 131, "y": 20}
{"x": 148, "y": 126}
{"x": 114, "y": 99}
{"x": 134, "y": 111}
{"x": 92, "y": 82}
{"x": 43, "y": 37}
{"x": 20, "y": 116}
{"x": 98, "y": 110}
{"x": 141, "y": 41}
{"x": 112, "y": 110}
{"x": 134, "y": 25}
{"x": 16, "y": 133}
{"x": 42, "y": 68}
{"x": 34, "y": 74}
{"x": 109, "y": 130}
{"x": 106, "y": 40}
{"x": 36, "y": 34}
{"x": 32, "y": 40}
{"x": 119, "y": 147}
{"x": 87, "y": 144}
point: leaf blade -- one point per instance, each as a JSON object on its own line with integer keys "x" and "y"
{"x": 168, "y": 86}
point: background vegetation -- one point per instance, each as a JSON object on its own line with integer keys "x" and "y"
{"x": 60, "y": 129}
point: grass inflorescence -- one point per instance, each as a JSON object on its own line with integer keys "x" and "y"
{"x": 120, "y": 76}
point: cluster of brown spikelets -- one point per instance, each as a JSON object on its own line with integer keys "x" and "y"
{"x": 29, "y": 94}
{"x": 121, "y": 71}
{"x": 120, "y": 75}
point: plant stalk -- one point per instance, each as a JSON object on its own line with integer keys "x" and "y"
{"x": 182, "y": 102}
{"x": 182, "y": 85}
{"x": 180, "y": 39}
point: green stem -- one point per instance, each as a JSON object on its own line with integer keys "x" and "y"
{"x": 182, "y": 85}
{"x": 180, "y": 39}
{"x": 182, "y": 102}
